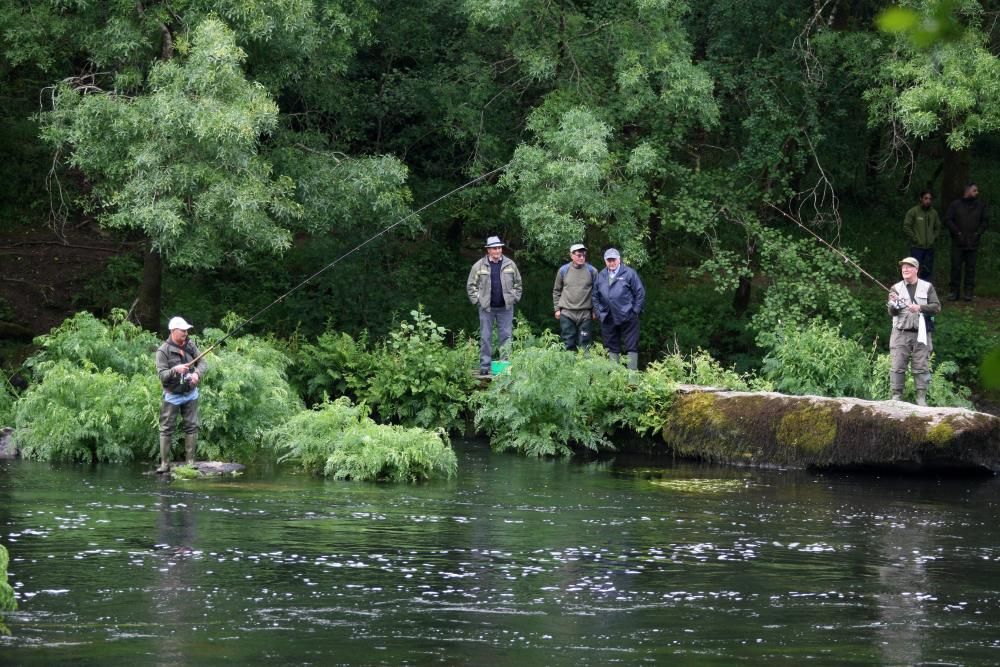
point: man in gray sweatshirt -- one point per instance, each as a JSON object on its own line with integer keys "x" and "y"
{"x": 572, "y": 299}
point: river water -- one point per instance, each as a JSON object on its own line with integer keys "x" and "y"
{"x": 516, "y": 562}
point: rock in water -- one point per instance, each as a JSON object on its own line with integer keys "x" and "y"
{"x": 211, "y": 468}
{"x": 7, "y": 448}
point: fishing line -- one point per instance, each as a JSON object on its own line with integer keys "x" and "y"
{"x": 828, "y": 245}
{"x": 342, "y": 257}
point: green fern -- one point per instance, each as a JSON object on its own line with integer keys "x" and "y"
{"x": 339, "y": 440}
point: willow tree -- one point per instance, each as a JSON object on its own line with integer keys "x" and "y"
{"x": 180, "y": 160}
{"x": 615, "y": 96}
{"x": 938, "y": 84}
{"x": 201, "y": 124}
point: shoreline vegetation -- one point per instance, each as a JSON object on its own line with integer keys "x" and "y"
{"x": 349, "y": 408}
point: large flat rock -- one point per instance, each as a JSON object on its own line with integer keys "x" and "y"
{"x": 771, "y": 429}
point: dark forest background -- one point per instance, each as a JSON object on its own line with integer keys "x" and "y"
{"x": 201, "y": 158}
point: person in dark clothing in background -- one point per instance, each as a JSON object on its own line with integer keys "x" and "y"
{"x": 967, "y": 219}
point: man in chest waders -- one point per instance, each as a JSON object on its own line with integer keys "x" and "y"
{"x": 180, "y": 390}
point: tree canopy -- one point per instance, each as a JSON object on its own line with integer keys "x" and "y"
{"x": 697, "y": 136}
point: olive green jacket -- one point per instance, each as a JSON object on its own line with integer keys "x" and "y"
{"x": 479, "y": 284}
{"x": 922, "y": 226}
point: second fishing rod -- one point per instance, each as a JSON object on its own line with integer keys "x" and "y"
{"x": 344, "y": 256}
{"x": 838, "y": 251}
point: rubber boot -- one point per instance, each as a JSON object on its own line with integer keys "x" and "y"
{"x": 190, "y": 445}
{"x": 614, "y": 357}
{"x": 633, "y": 361}
{"x": 922, "y": 397}
{"x": 164, "y": 454}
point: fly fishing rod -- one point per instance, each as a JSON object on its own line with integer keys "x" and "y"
{"x": 339, "y": 259}
{"x": 828, "y": 245}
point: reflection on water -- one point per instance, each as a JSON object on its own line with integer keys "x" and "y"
{"x": 517, "y": 561}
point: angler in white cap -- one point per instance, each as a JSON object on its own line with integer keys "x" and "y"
{"x": 494, "y": 285}
{"x": 180, "y": 376}
{"x": 912, "y": 304}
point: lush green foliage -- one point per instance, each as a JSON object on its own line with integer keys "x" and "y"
{"x": 332, "y": 366}
{"x": 950, "y": 88}
{"x": 78, "y": 410}
{"x": 817, "y": 360}
{"x": 7, "y": 398}
{"x": 807, "y": 284}
{"x": 339, "y": 440}
{"x": 7, "y": 602}
{"x": 551, "y": 400}
{"x": 700, "y": 368}
{"x": 417, "y": 379}
{"x": 181, "y": 163}
{"x": 412, "y": 377}
{"x": 245, "y": 393}
{"x": 965, "y": 340}
{"x": 80, "y": 413}
{"x": 697, "y": 137}
{"x": 116, "y": 345}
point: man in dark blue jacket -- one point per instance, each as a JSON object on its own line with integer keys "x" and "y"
{"x": 619, "y": 297}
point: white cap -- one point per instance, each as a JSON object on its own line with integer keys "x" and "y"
{"x": 577, "y": 246}
{"x": 178, "y": 323}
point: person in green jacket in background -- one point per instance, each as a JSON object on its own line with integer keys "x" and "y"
{"x": 922, "y": 226}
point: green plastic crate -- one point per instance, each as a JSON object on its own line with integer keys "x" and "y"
{"x": 498, "y": 367}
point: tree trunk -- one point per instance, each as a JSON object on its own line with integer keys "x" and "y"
{"x": 148, "y": 308}
{"x": 741, "y": 300}
{"x": 954, "y": 176}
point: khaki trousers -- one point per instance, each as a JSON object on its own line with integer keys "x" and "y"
{"x": 906, "y": 351}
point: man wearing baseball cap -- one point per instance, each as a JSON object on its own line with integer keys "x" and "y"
{"x": 619, "y": 297}
{"x": 180, "y": 390}
{"x": 911, "y": 302}
{"x": 572, "y": 298}
{"x": 494, "y": 285}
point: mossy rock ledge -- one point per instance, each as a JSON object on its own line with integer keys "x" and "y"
{"x": 771, "y": 429}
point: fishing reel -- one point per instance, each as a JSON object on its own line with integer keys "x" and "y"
{"x": 897, "y": 303}
{"x": 185, "y": 384}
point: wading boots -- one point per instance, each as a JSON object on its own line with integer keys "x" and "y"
{"x": 633, "y": 361}
{"x": 164, "y": 454}
{"x": 190, "y": 444}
